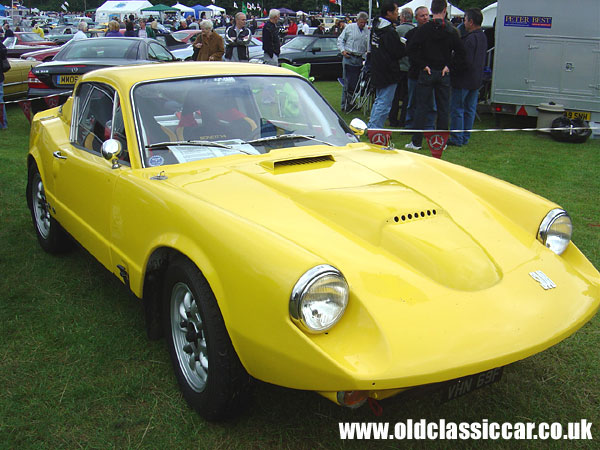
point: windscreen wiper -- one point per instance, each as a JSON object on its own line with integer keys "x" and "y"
{"x": 194, "y": 143}
{"x": 286, "y": 136}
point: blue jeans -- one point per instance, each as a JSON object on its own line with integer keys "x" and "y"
{"x": 381, "y": 107}
{"x": 429, "y": 86}
{"x": 463, "y": 105}
{"x": 4, "y": 122}
{"x": 412, "y": 108}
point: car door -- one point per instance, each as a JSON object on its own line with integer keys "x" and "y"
{"x": 327, "y": 60}
{"x": 83, "y": 180}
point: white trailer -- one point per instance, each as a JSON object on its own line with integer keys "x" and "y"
{"x": 547, "y": 51}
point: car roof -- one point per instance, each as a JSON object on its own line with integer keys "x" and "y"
{"x": 126, "y": 76}
{"x": 121, "y": 38}
{"x": 318, "y": 36}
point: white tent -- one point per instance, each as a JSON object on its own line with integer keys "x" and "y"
{"x": 489, "y": 14}
{"x": 120, "y": 9}
{"x": 183, "y": 8}
{"x": 453, "y": 11}
{"x": 217, "y": 11}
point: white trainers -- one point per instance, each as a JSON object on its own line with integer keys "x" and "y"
{"x": 411, "y": 146}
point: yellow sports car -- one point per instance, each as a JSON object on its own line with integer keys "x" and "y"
{"x": 15, "y": 80}
{"x": 267, "y": 241}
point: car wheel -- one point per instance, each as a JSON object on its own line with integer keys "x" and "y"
{"x": 207, "y": 368}
{"x": 51, "y": 236}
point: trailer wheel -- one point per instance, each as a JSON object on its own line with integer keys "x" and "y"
{"x": 575, "y": 131}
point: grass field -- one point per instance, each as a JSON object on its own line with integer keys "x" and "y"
{"x": 76, "y": 368}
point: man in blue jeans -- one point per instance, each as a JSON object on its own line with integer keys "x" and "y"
{"x": 431, "y": 49}
{"x": 3, "y": 121}
{"x": 422, "y": 17}
{"x": 386, "y": 51}
{"x": 465, "y": 86}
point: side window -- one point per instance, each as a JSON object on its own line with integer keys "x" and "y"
{"x": 96, "y": 117}
{"x": 159, "y": 53}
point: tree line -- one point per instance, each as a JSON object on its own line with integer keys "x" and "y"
{"x": 348, "y": 6}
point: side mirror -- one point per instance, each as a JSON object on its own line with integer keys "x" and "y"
{"x": 316, "y": 49}
{"x": 111, "y": 149}
{"x": 358, "y": 127}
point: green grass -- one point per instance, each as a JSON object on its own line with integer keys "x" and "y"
{"x": 76, "y": 369}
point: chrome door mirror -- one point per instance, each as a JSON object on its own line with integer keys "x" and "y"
{"x": 111, "y": 149}
{"x": 358, "y": 127}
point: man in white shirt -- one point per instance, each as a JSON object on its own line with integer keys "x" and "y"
{"x": 142, "y": 31}
{"x": 305, "y": 28}
{"x": 353, "y": 43}
{"x": 81, "y": 29}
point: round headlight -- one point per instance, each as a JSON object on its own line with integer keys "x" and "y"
{"x": 555, "y": 231}
{"x": 319, "y": 299}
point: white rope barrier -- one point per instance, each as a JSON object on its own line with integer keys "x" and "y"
{"x": 36, "y": 98}
{"x": 393, "y": 130}
{"x": 484, "y": 130}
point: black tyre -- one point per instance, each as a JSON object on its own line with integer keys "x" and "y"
{"x": 575, "y": 131}
{"x": 558, "y": 134}
{"x": 50, "y": 234}
{"x": 583, "y": 131}
{"x": 196, "y": 335}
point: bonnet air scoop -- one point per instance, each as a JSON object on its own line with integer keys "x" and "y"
{"x": 296, "y": 164}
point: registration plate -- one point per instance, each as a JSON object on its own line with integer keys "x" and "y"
{"x": 583, "y": 115}
{"x": 462, "y": 386}
{"x": 67, "y": 79}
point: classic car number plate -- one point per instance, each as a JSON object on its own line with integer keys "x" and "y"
{"x": 578, "y": 115}
{"x": 68, "y": 79}
{"x": 461, "y": 386}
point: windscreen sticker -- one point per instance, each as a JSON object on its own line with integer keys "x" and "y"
{"x": 155, "y": 161}
{"x": 528, "y": 21}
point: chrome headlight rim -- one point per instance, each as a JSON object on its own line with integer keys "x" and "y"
{"x": 303, "y": 285}
{"x": 546, "y": 226}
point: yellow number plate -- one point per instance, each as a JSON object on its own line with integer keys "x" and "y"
{"x": 68, "y": 79}
{"x": 578, "y": 115}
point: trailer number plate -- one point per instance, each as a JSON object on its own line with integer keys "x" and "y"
{"x": 583, "y": 115}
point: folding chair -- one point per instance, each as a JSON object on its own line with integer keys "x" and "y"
{"x": 303, "y": 70}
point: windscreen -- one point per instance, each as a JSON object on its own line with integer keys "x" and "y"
{"x": 298, "y": 43}
{"x": 105, "y": 48}
{"x": 229, "y": 115}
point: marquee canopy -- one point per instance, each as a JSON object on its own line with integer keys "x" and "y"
{"x": 183, "y": 8}
{"x": 120, "y": 9}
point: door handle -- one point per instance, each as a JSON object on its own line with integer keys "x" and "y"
{"x": 58, "y": 155}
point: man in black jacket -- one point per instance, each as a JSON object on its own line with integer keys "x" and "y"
{"x": 3, "y": 122}
{"x": 465, "y": 85}
{"x": 422, "y": 17}
{"x": 270, "y": 37}
{"x": 431, "y": 49}
{"x": 386, "y": 51}
{"x": 237, "y": 39}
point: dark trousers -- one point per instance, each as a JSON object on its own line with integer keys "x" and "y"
{"x": 400, "y": 96}
{"x": 351, "y": 74}
{"x": 429, "y": 86}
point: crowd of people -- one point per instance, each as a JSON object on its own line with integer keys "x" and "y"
{"x": 426, "y": 72}
{"x": 433, "y": 70}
